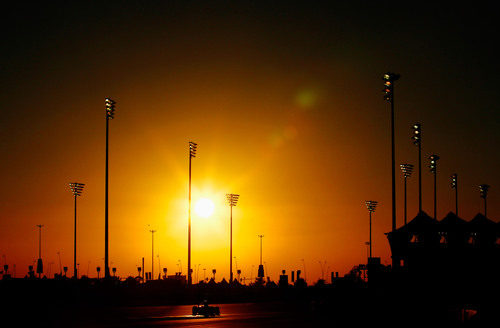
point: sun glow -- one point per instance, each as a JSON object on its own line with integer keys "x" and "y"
{"x": 204, "y": 207}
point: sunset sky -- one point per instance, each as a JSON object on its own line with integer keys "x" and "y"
{"x": 286, "y": 105}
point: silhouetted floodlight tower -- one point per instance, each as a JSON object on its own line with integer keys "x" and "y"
{"x": 260, "y": 272}
{"x": 39, "y": 264}
{"x": 110, "y": 114}
{"x": 454, "y": 185}
{"x": 417, "y": 141}
{"x": 433, "y": 168}
{"x": 192, "y": 153}
{"x": 152, "y": 253}
{"x": 232, "y": 200}
{"x": 483, "y": 192}
{"x": 371, "y": 205}
{"x": 407, "y": 169}
{"x": 76, "y": 189}
{"x": 389, "y": 79}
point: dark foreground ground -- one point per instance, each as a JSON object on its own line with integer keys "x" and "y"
{"x": 56, "y": 304}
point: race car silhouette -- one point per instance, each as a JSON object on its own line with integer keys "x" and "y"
{"x": 206, "y": 310}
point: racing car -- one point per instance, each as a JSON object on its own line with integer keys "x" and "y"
{"x": 206, "y": 310}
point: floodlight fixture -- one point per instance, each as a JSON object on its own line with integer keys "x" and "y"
{"x": 371, "y": 205}
{"x": 433, "y": 163}
{"x": 454, "y": 181}
{"x": 192, "y": 148}
{"x": 76, "y": 188}
{"x": 483, "y": 192}
{"x": 417, "y": 134}
{"x": 433, "y": 168}
{"x": 110, "y": 108}
{"x": 389, "y": 79}
{"x": 454, "y": 185}
{"x": 232, "y": 199}
{"x": 407, "y": 169}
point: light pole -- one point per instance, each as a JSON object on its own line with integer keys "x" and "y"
{"x": 110, "y": 114}
{"x": 433, "y": 168}
{"x": 232, "y": 200}
{"x": 483, "y": 192}
{"x": 407, "y": 169}
{"x": 417, "y": 141}
{"x": 152, "y": 253}
{"x": 192, "y": 153}
{"x": 454, "y": 185}
{"x": 389, "y": 79}
{"x": 371, "y": 205}
{"x": 76, "y": 189}
{"x": 39, "y": 264}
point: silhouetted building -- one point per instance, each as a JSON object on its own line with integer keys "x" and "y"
{"x": 177, "y": 277}
{"x": 450, "y": 252}
{"x": 283, "y": 279}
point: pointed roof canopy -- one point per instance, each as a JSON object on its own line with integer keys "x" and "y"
{"x": 452, "y": 222}
{"x": 482, "y": 223}
{"x": 421, "y": 222}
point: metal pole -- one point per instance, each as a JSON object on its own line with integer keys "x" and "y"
{"x": 370, "y": 233}
{"x": 189, "y": 225}
{"x": 405, "y": 200}
{"x": 106, "y": 206}
{"x": 231, "y": 246}
{"x": 420, "y": 177}
{"x": 393, "y": 166}
{"x": 485, "y": 206}
{"x": 75, "y": 273}
{"x": 456, "y": 197}
{"x": 435, "y": 194}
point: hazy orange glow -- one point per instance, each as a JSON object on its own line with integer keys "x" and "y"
{"x": 294, "y": 125}
{"x": 204, "y": 207}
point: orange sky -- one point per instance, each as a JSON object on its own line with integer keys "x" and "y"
{"x": 287, "y": 111}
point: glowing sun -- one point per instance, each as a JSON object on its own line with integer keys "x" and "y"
{"x": 204, "y": 207}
